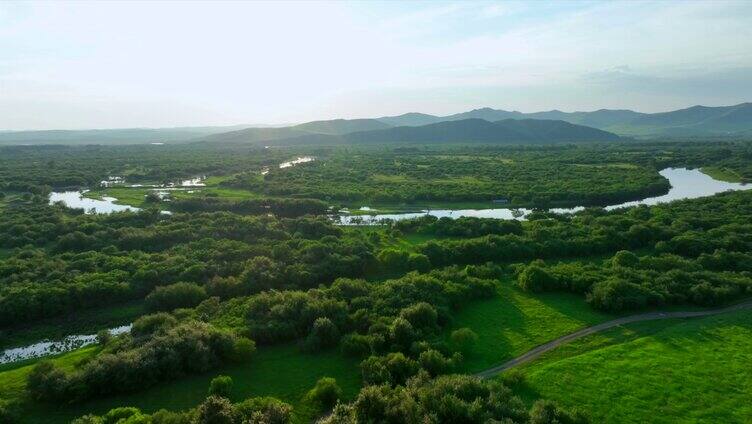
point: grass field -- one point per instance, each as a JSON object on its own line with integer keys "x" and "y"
{"x": 280, "y": 371}
{"x": 723, "y": 174}
{"x": 695, "y": 370}
{"x": 515, "y": 322}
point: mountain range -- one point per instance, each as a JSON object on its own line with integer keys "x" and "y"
{"x": 477, "y": 125}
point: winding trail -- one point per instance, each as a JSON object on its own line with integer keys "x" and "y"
{"x": 540, "y": 350}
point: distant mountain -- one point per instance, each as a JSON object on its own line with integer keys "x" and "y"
{"x": 603, "y": 118}
{"x": 111, "y": 136}
{"x": 696, "y": 120}
{"x": 693, "y": 121}
{"x": 331, "y": 127}
{"x": 412, "y": 119}
{"x": 487, "y": 114}
{"x": 474, "y": 130}
{"x": 342, "y": 126}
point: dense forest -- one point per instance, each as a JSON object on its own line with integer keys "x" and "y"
{"x": 223, "y": 278}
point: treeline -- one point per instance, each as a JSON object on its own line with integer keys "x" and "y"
{"x": 277, "y": 206}
{"x": 444, "y": 400}
{"x": 627, "y": 281}
{"x": 159, "y": 350}
{"x": 38, "y": 168}
{"x": 688, "y": 228}
{"x": 69, "y": 262}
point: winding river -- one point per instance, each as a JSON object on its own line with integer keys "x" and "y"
{"x": 685, "y": 184}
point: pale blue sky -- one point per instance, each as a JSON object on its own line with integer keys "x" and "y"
{"x": 151, "y": 64}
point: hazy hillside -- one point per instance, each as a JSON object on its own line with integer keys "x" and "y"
{"x": 412, "y": 119}
{"x": 342, "y": 126}
{"x": 467, "y": 131}
{"x": 696, "y": 120}
{"x": 111, "y": 136}
{"x": 693, "y": 121}
{"x": 603, "y": 118}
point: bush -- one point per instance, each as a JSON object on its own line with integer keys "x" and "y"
{"x": 463, "y": 339}
{"x": 216, "y": 410}
{"x": 178, "y": 295}
{"x": 326, "y": 392}
{"x": 243, "y": 349}
{"x": 356, "y": 345}
{"x": 324, "y": 334}
{"x": 421, "y": 316}
{"x": 535, "y": 278}
{"x": 148, "y": 325}
{"x": 104, "y": 337}
{"x": 547, "y": 412}
{"x": 221, "y": 386}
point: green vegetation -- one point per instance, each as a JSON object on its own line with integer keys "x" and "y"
{"x": 663, "y": 372}
{"x": 537, "y": 177}
{"x": 261, "y": 308}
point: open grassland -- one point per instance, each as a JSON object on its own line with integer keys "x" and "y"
{"x": 694, "y": 370}
{"x": 515, "y": 322}
{"x": 723, "y": 174}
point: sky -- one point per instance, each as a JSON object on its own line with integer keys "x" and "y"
{"x": 107, "y": 64}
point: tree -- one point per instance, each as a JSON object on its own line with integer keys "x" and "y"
{"x": 221, "y": 386}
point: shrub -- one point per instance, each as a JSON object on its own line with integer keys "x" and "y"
{"x": 535, "y": 278}
{"x": 356, "y": 345}
{"x": 221, "y": 386}
{"x": 326, "y": 392}
{"x": 421, "y": 316}
{"x": 625, "y": 258}
{"x": 215, "y": 410}
{"x": 243, "y": 349}
{"x": 463, "y": 339}
{"x": 178, "y": 295}
{"x": 148, "y": 325}
{"x": 104, "y": 337}
{"x": 323, "y": 334}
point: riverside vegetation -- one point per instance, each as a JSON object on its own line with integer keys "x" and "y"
{"x": 297, "y": 318}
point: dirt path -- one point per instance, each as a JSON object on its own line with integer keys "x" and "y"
{"x": 540, "y": 350}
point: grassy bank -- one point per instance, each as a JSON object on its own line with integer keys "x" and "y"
{"x": 694, "y": 370}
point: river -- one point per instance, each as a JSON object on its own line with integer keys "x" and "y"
{"x": 685, "y": 184}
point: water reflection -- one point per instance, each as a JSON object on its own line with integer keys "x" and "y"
{"x": 76, "y": 199}
{"x": 47, "y": 347}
